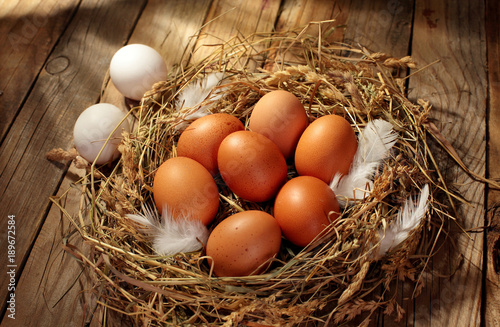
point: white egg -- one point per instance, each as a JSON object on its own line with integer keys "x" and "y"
{"x": 93, "y": 127}
{"x": 135, "y": 68}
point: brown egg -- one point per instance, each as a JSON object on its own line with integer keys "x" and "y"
{"x": 304, "y": 206}
{"x": 201, "y": 140}
{"x": 186, "y": 188}
{"x": 251, "y": 165}
{"x": 243, "y": 243}
{"x": 326, "y": 147}
{"x": 280, "y": 116}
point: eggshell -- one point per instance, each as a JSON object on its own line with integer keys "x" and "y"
{"x": 251, "y": 165}
{"x": 280, "y": 116}
{"x": 93, "y": 127}
{"x": 326, "y": 147}
{"x": 304, "y": 206}
{"x": 201, "y": 140}
{"x": 187, "y": 189}
{"x": 135, "y": 68}
{"x": 243, "y": 243}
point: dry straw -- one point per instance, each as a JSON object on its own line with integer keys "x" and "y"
{"x": 335, "y": 279}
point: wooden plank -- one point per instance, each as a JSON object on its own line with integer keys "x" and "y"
{"x": 377, "y": 25}
{"x": 227, "y": 19}
{"x": 298, "y": 13}
{"x": 380, "y": 26}
{"x": 46, "y": 120}
{"x": 55, "y": 270}
{"x": 492, "y": 266}
{"x": 54, "y": 286}
{"x": 28, "y": 32}
{"x": 47, "y": 286}
{"x": 452, "y": 33}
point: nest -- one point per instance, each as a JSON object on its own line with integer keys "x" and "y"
{"x": 336, "y": 278}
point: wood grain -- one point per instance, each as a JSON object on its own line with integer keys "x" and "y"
{"x": 456, "y": 87}
{"x": 28, "y": 32}
{"x": 380, "y": 26}
{"x": 52, "y": 279}
{"x": 303, "y": 17}
{"x": 299, "y": 13}
{"x": 230, "y": 19}
{"x": 55, "y": 287}
{"x": 492, "y": 266}
{"x": 46, "y": 120}
{"x": 44, "y": 268}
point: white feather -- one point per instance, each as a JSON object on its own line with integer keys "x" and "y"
{"x": 195, "y": 94}
{"x": 169, "y": 234}
{"x": 374, "y": 144}
{"x": 408, "y": 218}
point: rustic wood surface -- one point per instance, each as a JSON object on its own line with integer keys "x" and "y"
{"x": 454, "y": 34}
{"x": 53, "y": 64}
{"x": 491, "y": 254}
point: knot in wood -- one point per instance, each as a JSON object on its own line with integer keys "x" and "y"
{"x": 57, "y": 65}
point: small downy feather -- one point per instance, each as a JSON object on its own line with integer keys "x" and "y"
{"x": 374, "y": 144}
{"x": 197, "y": 92}
{"x": 408, "y": 218}
{"x": 170, "y": 235}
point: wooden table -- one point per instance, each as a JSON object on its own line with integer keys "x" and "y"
{"x": 53, "y": 64}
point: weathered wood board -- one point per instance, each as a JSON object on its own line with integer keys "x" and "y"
{"x": 491, "y": 278}
{"x": 453, "y": 35}
{"x": 70, "y": 81}
{"x": 387, "y": 31}
{"x": 53, "y": 281}
{"x": 28, "y": 32}
{"x": 64, "y": 75}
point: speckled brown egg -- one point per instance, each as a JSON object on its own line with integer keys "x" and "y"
{"x": 201, "y": 139}
{"x": 304, "y": 207}
{"x": 280, "y": 116}
{"x": 251, "y": 165}
{"x": 326, "y": 147}
{"x": 244, "y": 243}
{"x": 187, "y": 189}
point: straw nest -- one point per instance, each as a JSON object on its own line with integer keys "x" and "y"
{"x": 335, "y": 279}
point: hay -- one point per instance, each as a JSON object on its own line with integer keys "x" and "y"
{"x": 332, "y": 280}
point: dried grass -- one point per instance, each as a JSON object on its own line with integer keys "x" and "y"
{"x": 333, "y": 280}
